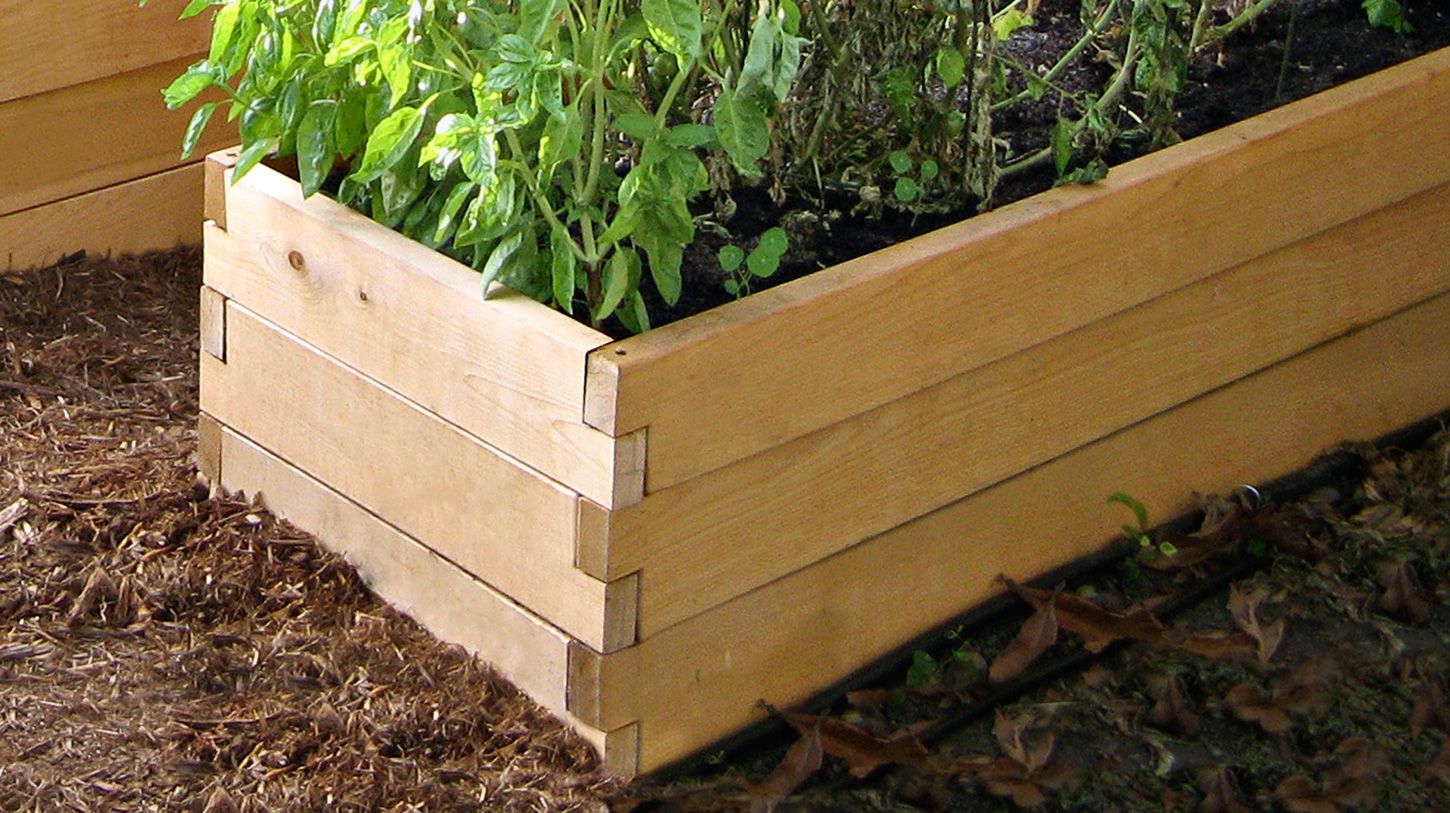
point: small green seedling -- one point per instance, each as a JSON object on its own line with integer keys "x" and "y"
{"x": 761, "y": 263}
{"x": 910, "y": 189}
{"x": 1140, "y": 532}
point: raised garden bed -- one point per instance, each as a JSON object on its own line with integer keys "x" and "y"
{"x": 649, "y": 535}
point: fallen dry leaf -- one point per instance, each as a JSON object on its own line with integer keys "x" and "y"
{"x": 1401, "y": 599}
{"x": 1252, "y": 705}
{"x": 1220, "y": 792}
{"x": 1438, "y": 769}
{"x": 1244, "y": 607}
{"x": 1172, "y": 712}
{"x": 802, "y": 759}
{"x": 862, "y": 752}
{"x": 1035, "y": 637}
{"x": 1430, "y": 708}
{"x": 1217, "y": 645}
{"x": 1096, "y": 626}
{"x": 1299, "y": 794}
{"x": 1011, "y": 734}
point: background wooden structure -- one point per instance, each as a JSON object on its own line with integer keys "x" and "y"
{"x": 90, "y": 154}
{"x": 650, "y": 535}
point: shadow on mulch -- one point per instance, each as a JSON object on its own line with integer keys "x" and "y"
{"x": 163, "y": 650}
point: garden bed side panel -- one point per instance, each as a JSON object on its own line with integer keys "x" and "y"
{"x": 81, "y": 114}
{"x": 838, "y": 486}
{"x": 700, "y": 680}
{"x": 993, "y": 285}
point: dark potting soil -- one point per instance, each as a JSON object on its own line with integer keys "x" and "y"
{"x": 1332, "y": 44}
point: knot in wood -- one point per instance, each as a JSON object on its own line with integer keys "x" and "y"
{"x": 295, "y": 259}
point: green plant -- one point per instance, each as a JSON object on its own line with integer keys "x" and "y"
{"x": 1141, "y": 532}
{"x": 554, "y": 145}
{"x": 761, "y": 263}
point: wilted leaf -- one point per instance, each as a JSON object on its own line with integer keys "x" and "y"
{"x": 1298, "y": 794}
{"x": 1217, "y": 645}
{"x": 1035, "y": 637}
{"x": 1401, "y": 600}
{"x": 862, "y": 752}
{"x": 1430, "y": 708}
{"x": 802, "y": 759}
{"x": 1245, "y": 610}
{"x": 1172, "y": 711}
{"x": 1011, "y": 734}
{"x": 1220, "y": 794}
{"x": 1250, "y": 704}
{"x": 1096, "y": 626}
{"x": 867, "y": 699}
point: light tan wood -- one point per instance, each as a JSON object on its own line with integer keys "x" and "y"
{"x": 864, "y": 333}
{"x": 505, "y": 369}
{"x": 58, "y": 43}
{"x": 701, "y": 680}
{"x": 91, "y": 136}
{"x": 155, "y": 212}
{"x": 209, "y": 449}
{"x": 218, "y": 175}
{"x": 437, "y": 594}
{"x": 495, "y": 518}
{"x": 700, "y": 543}
{"x": 213, "y": 317}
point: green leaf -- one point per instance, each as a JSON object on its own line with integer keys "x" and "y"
{"x": 666, "y": 256}
{"x": 389, "y": 143}
{"x": 922, "y": 671}
{"x": 189, "y": 85}
{"x": 253, "y": 155}
{"x": 1387, "y": 14}
{"x": 448, "y": 215}
{"x": 691, "y": 135}
{"x": 616, "y": 282}
{"x": 929, "y": 171}
{"x": 396, "y": 61}
{"x": 730, "y": 257}
{"x": 315, "y": 146}
{"x": 535, "y": 16}
{"x": 196, "y": 7}
{"x": 637, "y": 126}
{"x": 1063, "y": 135}
{"x": 1140, "y": 511}
{"x": 195, "y": 128}
{"x": 765, "y": 259}
{"x": 499, "y": 257}
{"x": 907, "y": 190}
{"x": 561, "y": 267}
{"x": 743, "y": 130}
{"x": 223, "y": 28}
{"x": 951, "y": 66}
{"x": 900, "y": 162}
{"x": 676, "y": 25}
{"x": 1008, "y": 23}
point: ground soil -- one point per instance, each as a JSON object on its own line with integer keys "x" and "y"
{"x": 165, "y": 648}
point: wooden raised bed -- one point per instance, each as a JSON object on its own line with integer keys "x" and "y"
{"x": 650, "y": 535}
{"x": 91, "y": 155}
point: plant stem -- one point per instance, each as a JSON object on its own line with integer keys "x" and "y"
{"x": 1288, "y": 49}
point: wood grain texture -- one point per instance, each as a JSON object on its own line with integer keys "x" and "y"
{"x": 58, "y": 43}
{"x": 452, "y": 605}
{"x": 862, "y": 334}
{"x": 505, "y": 369}
{"x": 212, "y": 313}
{"x": 701, "y": 542}
{"x": 91, "y": 136}
{"x": 155, "y": 212}
{"x": 702, "y": 679}
{"x": 493, "y": 517}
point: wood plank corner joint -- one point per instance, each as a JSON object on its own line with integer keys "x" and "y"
{"x": 218, "y": 177}
{"x": 630, "y": 454}
{"x": 214, "y": 323}
{"x": 586, "y": 694}
{"x": 621, "y": 613}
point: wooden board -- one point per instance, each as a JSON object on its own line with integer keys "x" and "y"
{"x": 505, "y": 369}
{"x": 492, "y": 516}
{"x": 869, "y": 331}
{"x": 457, "y": 608}
{"x": 59, "y": 43}
{"x": 698, "y": 544}
{"x": 91, "y": 136}
{"x": 154, "y": 212}
{"x": 701, "y": 679}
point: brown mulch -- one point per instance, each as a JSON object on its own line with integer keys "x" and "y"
{"x": 161, "y": 649}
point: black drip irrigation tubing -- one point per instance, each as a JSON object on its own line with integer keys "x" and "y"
{"x": 1337, "y": 466}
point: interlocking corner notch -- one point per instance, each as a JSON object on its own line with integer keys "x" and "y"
{"x": 630, "y": 454}
{"x": 598, "y": 688}
{"x": 209, "y": 449}
{"x": 620, "y": 755}
{"x": 214, "y": 323}
{"x": 601, "y": 392}
{"x": 218, "y": 175}
{"x": 621, "y": 613}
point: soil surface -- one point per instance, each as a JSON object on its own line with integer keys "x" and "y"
{"x": 162, "y": 648}
{"x": 1331, "y": 43}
